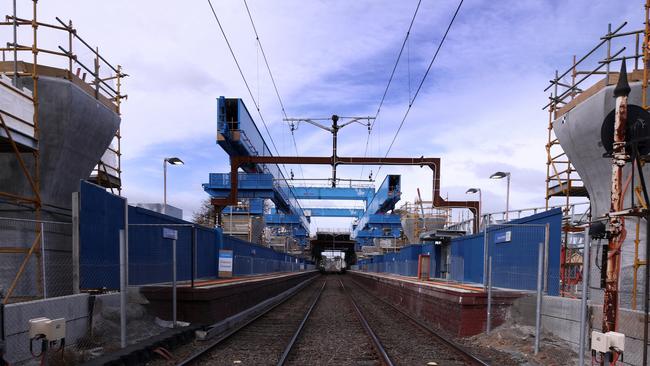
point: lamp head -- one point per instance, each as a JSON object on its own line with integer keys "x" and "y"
{"x": 174, "y": 161}
{"x": 499, "y": 175}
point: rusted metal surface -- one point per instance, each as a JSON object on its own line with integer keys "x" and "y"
{"x": 432, "y": 163}
{"x": 616, "y": 221}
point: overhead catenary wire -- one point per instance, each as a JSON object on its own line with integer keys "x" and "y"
{"x": 275, "y": 86}
{"x": 424, "y": 77}
{"x": 390, "y": 79}
{"x": 241, "y": 73}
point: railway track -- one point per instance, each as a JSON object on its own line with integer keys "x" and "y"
{"x": 332, "y": 322}
{"x": 406, "y": 339}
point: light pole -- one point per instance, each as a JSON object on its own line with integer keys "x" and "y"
{"x": 501, "y": 175}
{"x": 480, "y": 202}
{"x": 172, "y": 161}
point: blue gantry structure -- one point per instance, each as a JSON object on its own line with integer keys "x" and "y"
{"x": 238, "y": 135}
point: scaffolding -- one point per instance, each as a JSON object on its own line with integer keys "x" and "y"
{"x": 585, "y": 77}
{"x": 13, "y": 136}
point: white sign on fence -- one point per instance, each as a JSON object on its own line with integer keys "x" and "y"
{"x": 168, "y": 233}
{"x": 225, "y": 263}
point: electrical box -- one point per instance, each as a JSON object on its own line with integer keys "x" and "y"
{"x": 50, "y": 329}
{"x": 605, "y": 342}
{"x": 599, "y": 342}
{"x": 616, "y": 340}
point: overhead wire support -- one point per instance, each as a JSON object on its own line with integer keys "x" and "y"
{"x": 424, "y": 77}
{"x": 334, "y": 129}
{"x": 241, "y": 73}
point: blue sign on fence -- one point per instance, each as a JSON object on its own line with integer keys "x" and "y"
{"x": 169, "y": 233}
{"x": 503, "y": 237}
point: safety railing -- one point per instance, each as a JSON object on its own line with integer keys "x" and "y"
{"x": 588, "y": 70}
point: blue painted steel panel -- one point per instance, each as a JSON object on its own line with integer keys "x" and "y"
{"x": 238, "y": 135}
{"x": 335, "y": 193}
{"x": 384, "y": 200}
{"x": 334, "y": 212}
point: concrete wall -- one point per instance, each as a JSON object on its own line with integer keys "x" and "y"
{"x": 73, "y": 308}
{"x": 75, "y": 130}
{"x": 579, "y": 132}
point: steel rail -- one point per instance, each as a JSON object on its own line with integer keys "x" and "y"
{"x": 379, "y": 348}
{"x": 200, "y": 353}
{"x": 295, "y": 336}
{"x": 473, "y": 360}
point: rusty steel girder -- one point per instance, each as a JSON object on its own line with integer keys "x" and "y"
{"x": 432, "y": 163}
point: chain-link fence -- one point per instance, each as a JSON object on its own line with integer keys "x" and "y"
{"x": 35, "y": 259}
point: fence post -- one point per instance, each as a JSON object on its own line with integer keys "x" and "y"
{"x": 43, "y": 260}
{"x": 583, "y": 301}
{"x": 123, "y": 289}
{"x": 174, "y": 283}
{"x": 547, "y": 234}
{"x": 193, "y": 257}
{"x": 75, "y": 244}
{"x": 538, "y": 308}
{"x": 489, "y": 296}
{"x": 485, "y": 254}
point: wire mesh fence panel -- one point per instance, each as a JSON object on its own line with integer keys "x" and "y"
{"x": 36, "y": 259}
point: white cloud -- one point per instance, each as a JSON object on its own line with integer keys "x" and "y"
{"x": 479, "y": 110}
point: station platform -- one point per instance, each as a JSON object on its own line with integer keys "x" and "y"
{"x": 213, "y": 300}
{"x": 457, "y": 308}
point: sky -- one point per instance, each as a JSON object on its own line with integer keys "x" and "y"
{"x": 479, "y": 110}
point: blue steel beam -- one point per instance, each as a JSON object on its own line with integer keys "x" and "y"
{"x": 337, "y": 193}
{"x": 248, "y": 185}
{"x": 238, "y": 135}
{"x": 333, "y": 212}
{"x": 384, "y": 200}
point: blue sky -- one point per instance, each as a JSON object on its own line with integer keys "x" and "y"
{"x": 479, "y": 110}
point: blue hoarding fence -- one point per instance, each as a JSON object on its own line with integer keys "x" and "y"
{"x": 513, "y": 247}
{"x": 102, "y": 216}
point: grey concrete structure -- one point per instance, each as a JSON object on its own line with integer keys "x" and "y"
{"x": 579, "y": 133}
{"x": 75, "y": 130}
{"x": 74, "y": 308}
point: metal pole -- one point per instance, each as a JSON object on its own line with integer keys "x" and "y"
{"x": 538, "y": 308}
{"x": 193, "y": 256}
{"x": 165, "y": 186}
{"x": 489, "y": 297}
{"x": 43, "y": 260}
{"x": 646, "y": 290}
{"x": 174, "y": 283}
{"x": 547, "y": 234}
{"x": 122, "y": 289}
{"x": 508, "y": 198}
{"x": 335, "y": 129}
{"x": 16, "y": 47}
{"x": 480, "y": 207}
{"x": 583, "y": 300}
{"x": 485, "y": 256}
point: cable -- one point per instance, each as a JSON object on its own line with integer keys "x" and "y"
{"x": 390, "y": 80}
{"x": 417, "y": 91}
{"x": 241, "y": 73}
{"x": 275, "y": 86}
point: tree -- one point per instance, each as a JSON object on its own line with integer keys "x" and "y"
{"x": 205, "y": 215}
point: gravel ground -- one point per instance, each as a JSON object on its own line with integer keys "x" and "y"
{"x": 263, "y": 341}
{"x": 260, "y": 343}
{"x": 405, "y": 343}
{"x": 333, "y": 334}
